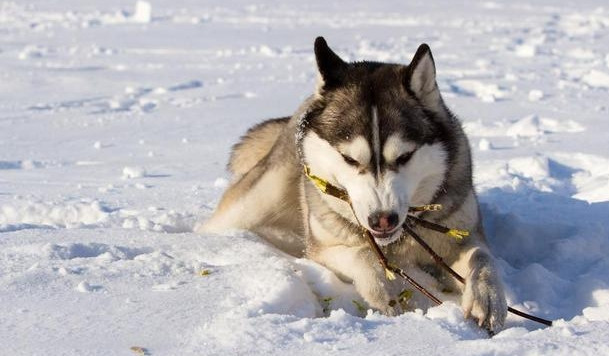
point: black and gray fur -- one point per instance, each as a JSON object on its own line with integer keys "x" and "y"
{"x": 270, "y": 195}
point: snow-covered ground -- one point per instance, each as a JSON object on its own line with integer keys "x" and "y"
{"x": 116, "y": 119}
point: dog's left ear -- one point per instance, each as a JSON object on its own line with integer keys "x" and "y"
{"x": 421, "y": 77}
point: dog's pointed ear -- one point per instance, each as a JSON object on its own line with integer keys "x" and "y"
{"x": 421, "y": 77}
{"x": 331, "y": 67}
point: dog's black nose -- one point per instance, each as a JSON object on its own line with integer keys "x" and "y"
{"x": 383, "y": 221}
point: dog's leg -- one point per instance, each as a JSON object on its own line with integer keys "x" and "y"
{"x": 251, "y": 200}
{"x": 483, "y": 297}
{"x": 359, "y": 264}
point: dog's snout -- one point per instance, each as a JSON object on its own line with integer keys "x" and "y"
{"x": 383, "y": 221}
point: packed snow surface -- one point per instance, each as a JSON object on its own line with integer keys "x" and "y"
{"x": 116, "y": 120}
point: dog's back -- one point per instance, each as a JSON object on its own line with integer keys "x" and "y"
{"x": 264, "y": 195}
{"x": 255, "y": 145}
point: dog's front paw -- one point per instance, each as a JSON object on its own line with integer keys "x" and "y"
{"x": 383, "y": 303}
{"x": 377, "y": 294}
{"x": 484, "y": 300}
{"x": 389, "y": 310}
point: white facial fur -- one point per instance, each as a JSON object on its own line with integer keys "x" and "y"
{"x": 412, "y": 184}
{"x": 358, "y": 149}
{"x": 396, "y": 146}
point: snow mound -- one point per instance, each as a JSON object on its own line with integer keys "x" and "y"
{"x": 143, "y": 12}
{"x": 70, "y": 215}
{"x": 597, "y": 79}
{"x": 486, "y": 92}
{"x": 27, "y": 213}
{"x": 134, "y": 172}
{"x": 529, "y": 126}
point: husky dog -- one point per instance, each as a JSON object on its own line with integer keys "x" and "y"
{"x": 382, "y": 133}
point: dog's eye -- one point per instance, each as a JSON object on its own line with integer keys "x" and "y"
{"x": 403, "y": 158}
{"x": 350, "y": 161}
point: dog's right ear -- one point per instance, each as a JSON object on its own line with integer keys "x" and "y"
{"x": 331, "y": 67}
{"x": 421, "y": 77}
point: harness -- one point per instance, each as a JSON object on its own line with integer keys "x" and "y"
{"x": 407, "y": 230}
{"x": 327, "y": 188}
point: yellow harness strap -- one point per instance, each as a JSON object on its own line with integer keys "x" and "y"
{"x": 428, "y": 207}
{"x": 457, "y": 234}
{"x": 326, "y": 187}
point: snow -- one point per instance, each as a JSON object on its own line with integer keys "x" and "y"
{"x": 143, "y": 12}
{"x": 485, "y": 92}
{"x": 117, "y": 118}
{"x": 134, "y": 172}
{"x": 535, "y": 95}
{"x": 596, "y": 78}
{"x": 528, "y": 126}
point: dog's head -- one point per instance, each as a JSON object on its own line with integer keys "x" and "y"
{"x": 380, "y": 132}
